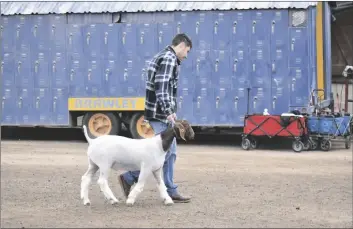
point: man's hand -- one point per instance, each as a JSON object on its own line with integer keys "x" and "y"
{"x": 171, "y": 118}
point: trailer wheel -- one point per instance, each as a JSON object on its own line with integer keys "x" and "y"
{"x": 245, "y": 144}
{"x": 138, "y": 128}
{"x": 325, "y": 145}
{"x": 297, "y": 146}
{"x": 101, "y": 123}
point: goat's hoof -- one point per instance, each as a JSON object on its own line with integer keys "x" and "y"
{"x": 114, "y": 202}
{"x": 129, "y": 202}
{"x": 87, "y": 203}
{"x": 168, "y": 202}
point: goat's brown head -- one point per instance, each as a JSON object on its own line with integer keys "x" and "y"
{"x": 183, "y": 130}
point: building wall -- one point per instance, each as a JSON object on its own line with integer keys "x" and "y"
{"x": 339, "y": 95}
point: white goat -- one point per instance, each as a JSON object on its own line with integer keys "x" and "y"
{"x": 121, "y": 153}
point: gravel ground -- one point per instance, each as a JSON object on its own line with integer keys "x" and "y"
{"x": 40, "y": 182}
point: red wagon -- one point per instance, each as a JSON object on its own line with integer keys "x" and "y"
{"x": 285, "y": 125}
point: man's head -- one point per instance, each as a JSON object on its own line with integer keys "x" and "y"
{"x": 181, "y": 44}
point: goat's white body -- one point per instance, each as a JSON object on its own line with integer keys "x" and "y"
{"x": 121, "y": 153}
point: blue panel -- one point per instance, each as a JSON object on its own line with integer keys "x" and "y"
{"x": 9, "y": 106}
{"x": 58, "y": 70}
{"x": 221, "y": 71}
{"x": 128, "y": 40}
{"x": 299, "y": 87}
{"x": 25, "y": 106}
{"x": 185, "y": 104}
{"x": 40, "y": 27}
{"x": 239, "y": 105}
{"x": 23, "y": 34}
{"x": 298, "y": 47}
{"x": 128, "y": 76}
{"x": 241, "y": 29}
{"x": 42, "y": 106}
{"x": 75, "y": 39}
{"x": 8, "y": 34}
{"x": 222, "y": 23}
{"x": 204, "y": 105}
{"x": 56, "y": 19}
{"x": 111, "y": 74}
{"x": 166, "y": 33}
{"x": 41, "y": 69}
{"x": 60, "y": 115}
{"x": 147, "y": 45}
{"x": 8, "y": 69}
{"x": 260, "y": 52}
{"x": 89, "y": 18}
{"x": 58, "y": 36}
{"x": 327, "y": 49}
{"x": 203, "y": 68}
{"x": 204, "y": 29}
{"x": 23, "y": 72}
{"x": 260, "y": 99}
{"x": 111, "y": 48}
{"x": 94, "y": 73}
{"x": 186, "y": 23}
{"x": 93, "y": 41}
{"x": 187, "y": 71}
{"x": 77, "y": 72}
{"x": 142, "y": 77}
{"x": 279, "y": 63}
{"x": 224, "y": 101}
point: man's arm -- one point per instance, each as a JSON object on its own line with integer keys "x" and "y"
{"x": 163, "y": 75}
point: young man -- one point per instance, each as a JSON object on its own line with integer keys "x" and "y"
{"x": 160, "y": 107}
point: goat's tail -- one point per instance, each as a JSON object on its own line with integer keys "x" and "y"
{"x": 89, "y": 140}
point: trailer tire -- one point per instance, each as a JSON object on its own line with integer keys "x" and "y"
{"x": 108, "y": 124}
{"x": 138, "y": 128}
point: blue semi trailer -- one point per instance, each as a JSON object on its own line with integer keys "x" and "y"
{"x": 56, "y": 73}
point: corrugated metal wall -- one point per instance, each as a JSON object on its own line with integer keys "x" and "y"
{"x": 268, "y": 51}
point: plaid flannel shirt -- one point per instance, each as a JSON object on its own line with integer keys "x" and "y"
{"x": 161, "y": 85}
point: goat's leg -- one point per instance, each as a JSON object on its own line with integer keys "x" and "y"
{"x": 161, "y": 187}
{"x": 86, "y": 180}
{"x": 144, "y": 173}
{"x": 103, "y": 184}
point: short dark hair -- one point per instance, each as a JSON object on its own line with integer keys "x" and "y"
{"x": 182, "y": 37}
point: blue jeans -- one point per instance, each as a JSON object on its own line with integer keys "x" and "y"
{"x": 168, "y": 168}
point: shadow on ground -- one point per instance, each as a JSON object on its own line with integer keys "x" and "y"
{"x": 74, "y": 134}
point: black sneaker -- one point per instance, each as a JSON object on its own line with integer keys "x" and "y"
{"x": 124, "y": 186}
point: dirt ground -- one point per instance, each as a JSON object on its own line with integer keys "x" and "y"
{"x": 40, "y": 183}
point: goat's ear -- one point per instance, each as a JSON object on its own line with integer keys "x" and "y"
{"x": 181, "y": 130}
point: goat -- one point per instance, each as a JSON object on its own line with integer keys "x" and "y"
{"x": 117, "y": 152}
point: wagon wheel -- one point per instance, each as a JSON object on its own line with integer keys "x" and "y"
{"x": 314, "y": 144}
{"x": 297, "y": 146}
{"x": 245, "y": 144}
{"x": 325, "y": 145}
{"x": 307, "y": 145}
{"x": 254, "y": 143}
{"x": 348, "y": 142}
